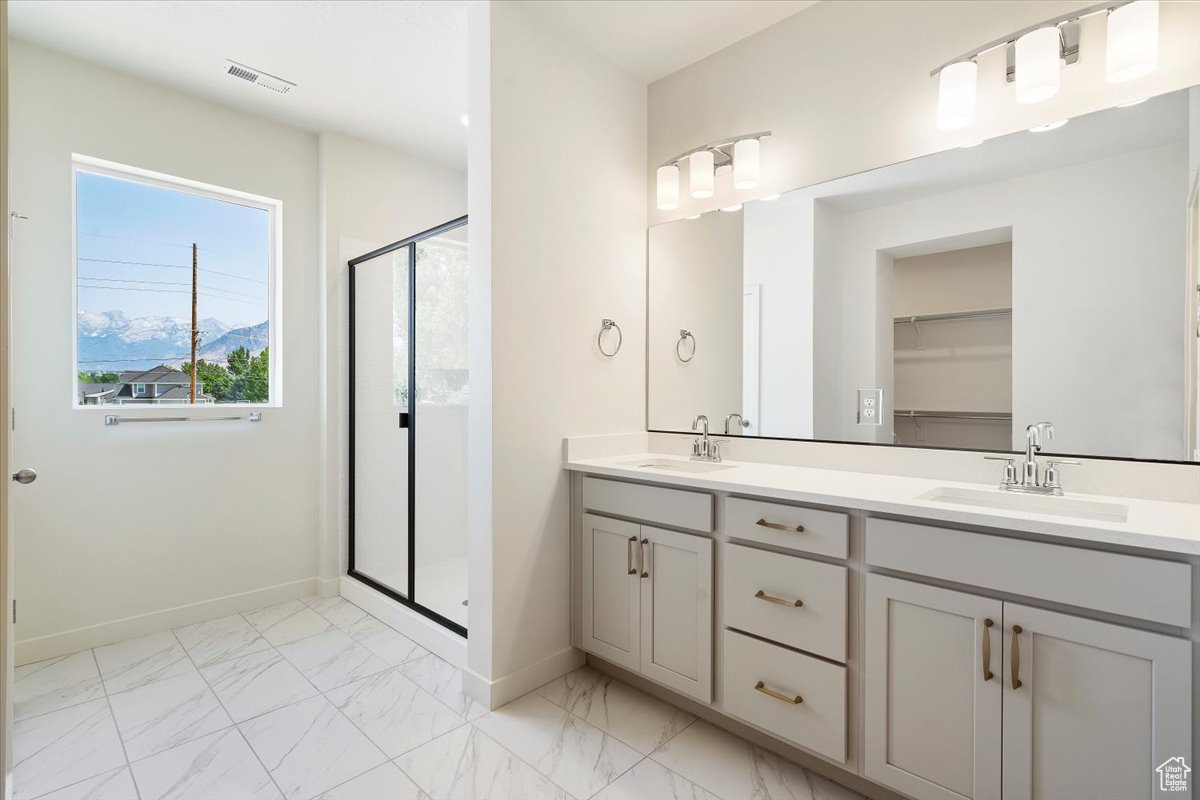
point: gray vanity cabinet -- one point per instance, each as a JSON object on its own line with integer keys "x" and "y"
{"x": 972, "y": 697}
{"x": 1099, "y": 707}
{"x": 647, "y": 601}
{"x": 933, "y": 690}
{"x": 611, "y": 590}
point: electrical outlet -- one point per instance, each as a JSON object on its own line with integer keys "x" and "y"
{"x": 870, "y": 406}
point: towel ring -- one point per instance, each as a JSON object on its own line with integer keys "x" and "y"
{"x": 683, "y": 337}
{"x": 608, "y": 324}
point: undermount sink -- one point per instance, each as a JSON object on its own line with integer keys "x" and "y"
{"x": 1030, "y": 503}
{"x": 677, "y": 465}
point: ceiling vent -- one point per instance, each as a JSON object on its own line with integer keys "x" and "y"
{"x": 258, "y": 77}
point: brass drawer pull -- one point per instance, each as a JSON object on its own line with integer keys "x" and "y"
{"x": 779, "y": 601}
{"x": 1016, "y": 657}
{"x": 642, "y": 551}
{"x": 793, "y": 700}
{"x": 987, "y": 649}
{"x": 629, "y": 555}
{"x": 780, "y": 527}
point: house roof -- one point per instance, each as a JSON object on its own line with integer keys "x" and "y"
{"x": 159, "y": 374}
{"x": 174, "y": 393}
{"x": 92, "y": 389}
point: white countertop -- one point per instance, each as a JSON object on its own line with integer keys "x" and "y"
{"x": 1150, "y": 524}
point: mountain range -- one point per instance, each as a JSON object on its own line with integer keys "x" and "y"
{"x": 111, "y": 341}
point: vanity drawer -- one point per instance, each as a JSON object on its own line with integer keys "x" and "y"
{"x": 675, "y": 507}
{"x": 817, "y": 722}
{"x": 818, "y": 625}
{"x": 794, "y": 527}
{"x": 1134, "y": 586}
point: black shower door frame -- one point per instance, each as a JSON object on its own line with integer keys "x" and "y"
{"x": 408, "y": 419}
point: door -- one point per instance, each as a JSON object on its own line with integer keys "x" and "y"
{"x": 933, "y": 690}
{"x": 6, "y": 627}
{"x": 611, "y": 603}
{"x": 1091, "y": 709}
{"x": 677, "y": 603}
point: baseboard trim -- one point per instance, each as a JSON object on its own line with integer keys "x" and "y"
{"x": 73, "y": 641}
{"x": 495, "y": 693}
{"x": 422, "y": 630}
{"x": 328, "y": 587}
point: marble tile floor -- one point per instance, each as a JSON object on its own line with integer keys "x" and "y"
{"x": 317, "y": 699}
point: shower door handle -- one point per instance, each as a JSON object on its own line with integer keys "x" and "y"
{"x": 403, "y": 419}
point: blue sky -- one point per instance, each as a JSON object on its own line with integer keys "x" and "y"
{"x": 125, "y": 221}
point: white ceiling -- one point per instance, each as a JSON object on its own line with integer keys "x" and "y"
{"x": 392, "y": 72}
{"x": 653, "y": 39}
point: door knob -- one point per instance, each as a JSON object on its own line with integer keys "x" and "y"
{"x": 24, "y": 476}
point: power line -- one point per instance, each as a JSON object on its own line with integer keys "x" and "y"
{"x": 158, "y": 244}
{"x": 171, "y": 291}
{"x": 174, "y": 266}
{"x": 167, "y": 283}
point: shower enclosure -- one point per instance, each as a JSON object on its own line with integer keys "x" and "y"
{"x": 408, "y": 396}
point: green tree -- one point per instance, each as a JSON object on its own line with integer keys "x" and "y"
{"x": 249, "y": 378}
{"x": 98, "y": 377}
{"x": 213, "y": 379}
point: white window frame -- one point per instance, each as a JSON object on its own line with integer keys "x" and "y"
{"x": 274, "y": 209}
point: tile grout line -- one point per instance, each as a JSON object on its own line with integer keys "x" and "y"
{"x": 113, "y": 715}
{"x": 234, "y": 723}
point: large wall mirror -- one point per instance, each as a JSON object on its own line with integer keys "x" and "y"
{"x": 951, "y": 300}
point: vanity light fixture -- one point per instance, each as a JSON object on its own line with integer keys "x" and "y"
{"x": 1039, "y": 64}
{"x": 1037, "y": 55}
{"x": 1049, "y": 126}
{"x": 740, "y": 155}
{"x": 1132, "y": 41}
{"x": 956, "y": 95}
{"x": 668, "y": 187}
{"x": 745, "y": 163}
{"x": 701, "y": 174}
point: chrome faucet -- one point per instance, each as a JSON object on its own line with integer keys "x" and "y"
{"x": 1030, "y": 481}
{"x": 741, "y": 422}
{"x": 704, "y": 448}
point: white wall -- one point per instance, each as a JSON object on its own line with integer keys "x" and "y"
{"x": 779, "y": 258}
{"x": 1095, "y": 284}
{"x": 234, "y": 504}
{"x": 371, "y": 195}
{"x": 557, "y": 244}
{"x": 696, "y": 285}
{"x": 845, "y": 87}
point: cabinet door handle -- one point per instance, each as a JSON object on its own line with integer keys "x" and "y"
{"x": 777, "y": 526}
{"x": 987, "y": 649}
{"x": 1016, "y": 657}
{"x": 629, "y": 555}
{"x": 786, "y": 698}
{"x": 779, "y": 601}
{"x": 642, "y": 551}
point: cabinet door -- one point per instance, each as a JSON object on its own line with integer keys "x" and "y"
{"x": 932, "y": 690}
{"x": 610, "y": 590}
{"x": 677, "y": 609}
{"x": 1097, "y": 709}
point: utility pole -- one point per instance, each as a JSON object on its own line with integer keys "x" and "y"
{"x": 195, "y": 330}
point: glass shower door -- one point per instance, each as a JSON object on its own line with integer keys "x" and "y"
{"x": 440, "y": 353}
{"x": 408, "y": 422}
{"x": 380, "y": 412}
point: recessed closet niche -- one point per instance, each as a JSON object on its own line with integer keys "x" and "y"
{"x": 952, "y": 345}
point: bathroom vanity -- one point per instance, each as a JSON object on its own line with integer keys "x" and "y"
{"x": 940, "y": 639}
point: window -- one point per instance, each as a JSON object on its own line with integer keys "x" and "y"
{"x": 160, "y": 262}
